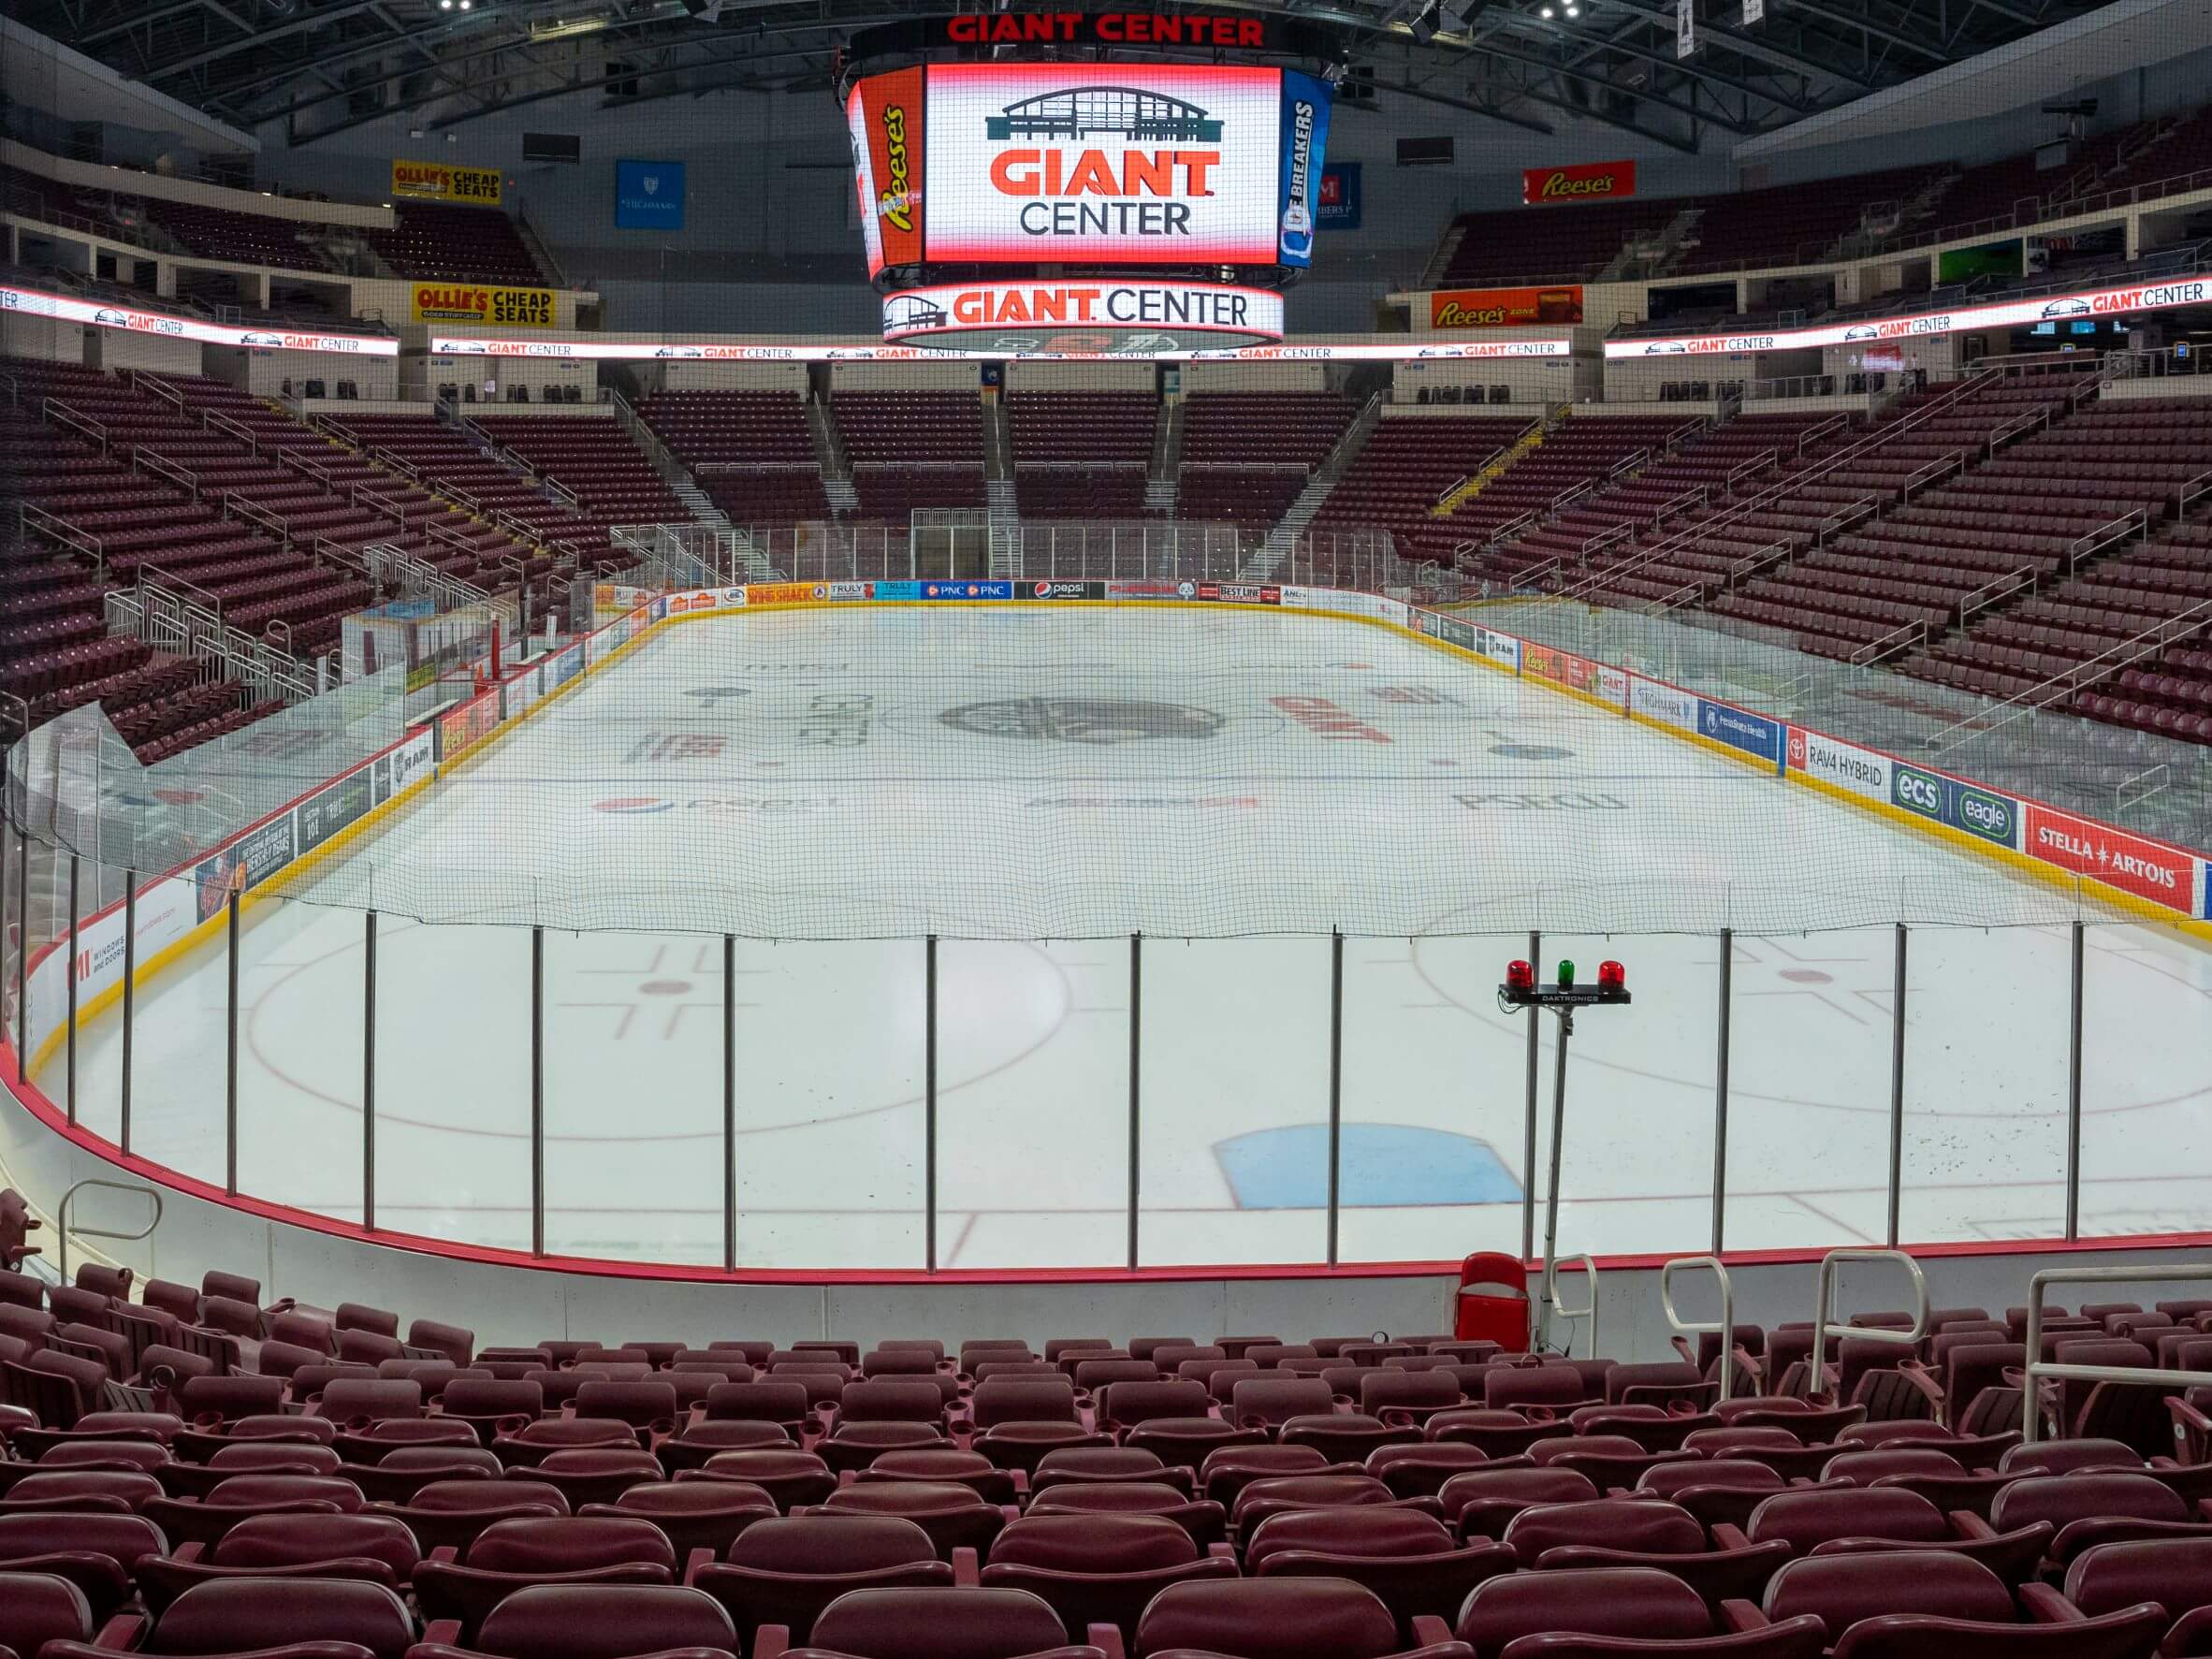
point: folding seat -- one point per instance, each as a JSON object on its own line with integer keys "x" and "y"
{"x": 1499, "y": 1433}
{"x": 780, "y": 1403}
{"x": 1645, "y": 1526}
{"x": 1842, "y": 1590}
{"x": 492, "y": 1408}
{"x": 648, "y": 1408}
{"x": 1276, "y": 1618}
{"x": 694, "y": 1447}
{"x": 1098, "y": 1569}
{"x": 785, "y": 1571}
{"x": 1406, "y": 1559}
{"x": 694, "y": 1515}
{"x": 1420, "y": 1471}
{"x": 374, "y": 1548}
{"x": 1283, "y": 1493}
{"x": 2129, "y": 1634}
{"x": 955, "y": 1517}
{"x": 1076, "y": 1465}
{"x": 454, "y": 1342}
{"x": 450, "y": 1514}
{"x": 1867, "y": 1465}
{"x": 96, "y": 1552}
{"x": 512, "y": 1555}
{"x": 1608, "y": 1460}
{"x": 1483, "y": 1502}
{"x": 2095, "y": 1506}
{"x": 1269, "y": 1403}
{"x": 41, "y": 1609}
{"x": 596, "y": 1475}
{"x": 1665, "y": 1385}
{"x": 272, "y": 1616}
{"x": 1142, "y": 1348}
{"x": 1650, "y": 1427}
{"x": 1885, "y": 1517}
{"x": 1205, "y": 1519}
{"x": 1416, "y": 1395}
{"x": 791, "y": 1478}
{"x": 1557, "y": 1388}
{"x": 1226, "y": 1471}
{"x": 1023, "y": 1400}
{"x": 2063, "y": 1457}
{"x": 596, "y": 1621}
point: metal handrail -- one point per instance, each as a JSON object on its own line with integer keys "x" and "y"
{"x": 1551, "y": 1301}
{"x": 1824, "y": 1311}
{"x": 62, "y": 1219}
{"x": 2031, "y": 1416}
{"x": 1687, "y": 1328}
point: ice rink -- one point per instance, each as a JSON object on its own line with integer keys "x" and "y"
{"x": 1034, "y": 786}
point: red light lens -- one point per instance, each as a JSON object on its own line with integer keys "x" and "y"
{"x": 1611, "y": 976}
{"x": 1520, "y": 976}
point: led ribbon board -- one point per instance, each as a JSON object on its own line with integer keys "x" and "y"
{"x": 1103, "y": 318}
{"x": 95, "y": 314}
{"x": 602, "y": 349}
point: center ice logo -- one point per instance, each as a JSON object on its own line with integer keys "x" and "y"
{"x": 1082, "y": 719}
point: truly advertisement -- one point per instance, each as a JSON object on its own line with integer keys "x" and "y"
{"x": 885, "y": 116}
{"x": 1126, "y": 162}
{"x": 493, "y": 308}
{"x": 1754, "y": 733}
{"x": 2148, "y": 870}
{"x": 1597, "y": 181}
{"x": 1954, "y": 804}
{"x": 1843, "y": 764}
{"x": 1504, "y": 308}
{"x": 438, "y": 180}
{"x": 2040, "y": 308}
{"x": 1305, "y": 136}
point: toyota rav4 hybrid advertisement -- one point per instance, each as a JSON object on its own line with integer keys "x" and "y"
{"x": 1128, "y": 163}
{"x": 2006, "y": 314}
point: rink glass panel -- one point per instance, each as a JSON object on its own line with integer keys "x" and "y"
{"x": 301, "y": 995}
{"x": 2146, "y": 1082}
{"x": 1809, "y": 1090}
{"x": 633, "y": 1097}
{"x": 1033, "y": 1063}
{"x": 1984, "y": 1118}
{"x": 453, "y": 1129}
{"x": 1234, "y": 1102}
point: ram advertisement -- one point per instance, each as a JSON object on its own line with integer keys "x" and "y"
{"x": 1116, "y": 162}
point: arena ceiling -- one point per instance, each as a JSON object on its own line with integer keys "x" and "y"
{"x": 324, "y": 65}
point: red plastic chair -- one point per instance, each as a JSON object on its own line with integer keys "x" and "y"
{"x": 1483, "y": 1317}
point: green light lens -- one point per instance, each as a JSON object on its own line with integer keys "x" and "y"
{"x": 1566, "y": 972}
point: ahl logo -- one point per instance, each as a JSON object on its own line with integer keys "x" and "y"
{"x": 626, "y": 805}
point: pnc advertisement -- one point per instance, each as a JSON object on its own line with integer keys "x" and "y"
{"x": 1597, "y": 181}
{"x": 1127, "y": 163}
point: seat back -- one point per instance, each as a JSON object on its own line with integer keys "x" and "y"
{"x": 960, "y": 1624}
{"x": 1593, "y": 1601}
{"x": 2176, "y": 1573}
{"x": 1282, "y": 1618}
{"x": 1842, "y": 1590}
{"x": 1806, "y": 1518}
{"x": 603, "y": 1622}
{"x": 238, "y": 1615}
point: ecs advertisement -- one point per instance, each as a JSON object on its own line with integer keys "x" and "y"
{"x": 1127, "y": 163}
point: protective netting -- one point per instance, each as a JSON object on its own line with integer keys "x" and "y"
{"x": 1068, "y": 772}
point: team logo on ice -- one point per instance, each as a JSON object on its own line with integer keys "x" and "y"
{"x": 1082, "y": 719}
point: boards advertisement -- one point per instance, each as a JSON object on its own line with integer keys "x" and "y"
{"x": 1955, "y": 804}
{"x": 2148, "y": 870}
{"x": 1845, "y": 765}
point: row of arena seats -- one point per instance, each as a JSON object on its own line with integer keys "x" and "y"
{"x": 189, "y": 1472}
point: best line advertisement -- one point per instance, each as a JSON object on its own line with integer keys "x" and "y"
{"x": 2007, "y": 313}
{"x": 1121, "y": 162}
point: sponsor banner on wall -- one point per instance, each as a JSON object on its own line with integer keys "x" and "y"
{"x": 414, "y": 757}
{"x": 1146, "y": 589}
{"x": 1577, "y": 673}
{"x": 648, "y": 196}
{"x": 491, "y": 308}
{"x": 1664, "y": 703}
{"x": 2087, "y": 303}
{"x": 1610, "y": 685}
{"x": 1754, "y": 733}
{"x": 1846, "y": 765}
{"x": 1339, "y": 206}
{"x": 1596, "y": 181}
{"x": 438, "y": 180}
{"x": 1956, "y": 805}
{"x": 1305, "y": 136}
{"x": 884, "y": 115}
{"x": 1126, "y": 163}
{"x": 1502, "y": 649}
{"x": 335, "y": 807}
{"x": 2147, "y": 869}
{"x": 450, "y": 348}
{"x": 242, "y": 865}
{"x": 1240, "y": 593}
{"x": 107, "y": 315}
{"x": 773, "y": 594}
{"x": 1504, "y": 308}
{"x": 566, "y": 666}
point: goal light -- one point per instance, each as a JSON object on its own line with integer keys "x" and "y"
{"x": 1565, "y": 993}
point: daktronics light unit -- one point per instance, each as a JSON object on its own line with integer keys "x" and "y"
{"x": 1107, "y": 318}
{"x": 1088, "y": 164}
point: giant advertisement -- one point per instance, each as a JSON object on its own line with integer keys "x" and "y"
{"x": 1125, "y": 163}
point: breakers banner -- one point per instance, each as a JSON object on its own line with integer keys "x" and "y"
{"x": 1597, "y": 181}
{"x": 1503, "y": 308}
{"x": 438, "y": 180}
{"x": 491, "y": 308}
{"x": 2004, "y": 313}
